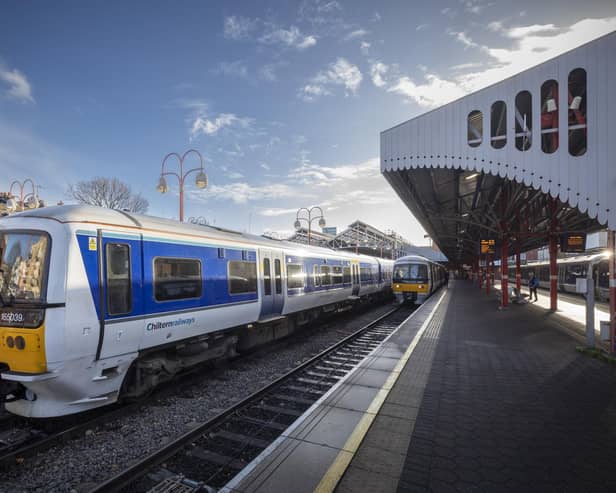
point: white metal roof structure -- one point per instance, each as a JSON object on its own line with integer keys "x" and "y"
{"x": 531, "y": 154}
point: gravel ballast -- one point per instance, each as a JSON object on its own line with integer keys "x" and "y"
{"x": 102, "y": 452}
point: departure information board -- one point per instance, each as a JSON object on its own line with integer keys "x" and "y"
{"x": 573, "y": 242}
{"x": 487, "y": 246}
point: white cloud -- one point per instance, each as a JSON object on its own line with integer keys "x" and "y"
{"x": 274, "y": 212}
{"x": 364, "y": 46}
{"x": 310, "y": 92}
{"x": 421, "y": 27}
{"x": 475, "y": 6}
{"x": 531, "y": 45}
{"x": 19, "y": 87}
{"x": 433, "y": 92}
{"x": 327, "y": 176}
{"x": 265, "y": 166}
{"x": 234, "y": 175}
{"x": 341, "y": 72}
{"x": 269, "y": 71}
{"x": 237, "y": 69}
{"x": 377, "y": 71}
{"x": 241, "y": 192}
{"x": 376, "y": 17}
{"x": 237, "y": 27}
{"x": 211, "y": 126}
{"x": 291, "y": 37}
{"x": 358, "y": 33}
{"x": 464, "y": 39}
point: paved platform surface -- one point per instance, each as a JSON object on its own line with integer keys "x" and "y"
{"x": 492, "y": 401}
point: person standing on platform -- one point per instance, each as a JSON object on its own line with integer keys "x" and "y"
{"x": 533, "y": 284}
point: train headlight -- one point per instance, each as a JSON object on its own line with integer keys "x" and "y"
{"x": 20, "y": 342}
{"x": 421, "y": 286}
{"x": 397, "y": 286}
{"x": 10, "y": 342}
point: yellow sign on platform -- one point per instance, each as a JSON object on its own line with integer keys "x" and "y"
{"x": 488, "y": 246}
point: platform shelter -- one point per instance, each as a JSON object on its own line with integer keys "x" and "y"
{"x": 526, "y": 162}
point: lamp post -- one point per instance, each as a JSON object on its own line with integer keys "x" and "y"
{"x": 32, "y": 199}
{"x": 309, "y": 219}
{"x": 200, "y": 180}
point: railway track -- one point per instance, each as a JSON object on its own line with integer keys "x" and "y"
{"x": 21, "y": 438}
{"x": 209, "y": 456}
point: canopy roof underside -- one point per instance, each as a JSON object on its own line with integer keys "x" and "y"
{"x": 459, "y": 207}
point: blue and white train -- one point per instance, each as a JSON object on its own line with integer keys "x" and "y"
{"x": 98, "y": 304}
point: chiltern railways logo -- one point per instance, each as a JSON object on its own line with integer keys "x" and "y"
{"x": 153, "y": 326}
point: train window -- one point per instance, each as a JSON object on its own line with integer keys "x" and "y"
{"x": 544, "y": 273}
{"x": 278, "y": 276}
{"x": 475, "y": 128}
{"x": 365, "y": 274}
{"x": 267, "y": 277}
{"x": 604, "y": 274}
{"x": 573, "y": 272}
{"x": 577, "y": 112}
{"x": 242, "y": 277}
{"x": 177, "y": 279}
{"x": 498, "y": 125}
{"x": 411, "y": 272}
{"x": 346, "y": 275}
{"x": 119, "y": 293}
{"x": 326, "y": 278}
{"x": 316, "y": 275}
{"x": 337, "y": 275}
{"x": 523, "y": 121}
{"x": 549, "y": 116}
{"x": 295, "y": 276}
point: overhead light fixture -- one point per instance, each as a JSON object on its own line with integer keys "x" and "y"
{"x": 575, "y": 103}
{"x": 550, "y": 105}
{"x": 465, "y": 214}
{"x": 471, "y": 176}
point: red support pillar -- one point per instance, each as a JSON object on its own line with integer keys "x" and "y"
{"x": 553, "y": 248}
{"x": 518, "y": 270}
{"x": 611, "y": 246}
{"x": 488, "y": 274}
{"x": 553, "y": 273}
{"x": 505, "y": 271}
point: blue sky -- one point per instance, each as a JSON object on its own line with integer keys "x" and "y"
{"x": 285, "y": 100}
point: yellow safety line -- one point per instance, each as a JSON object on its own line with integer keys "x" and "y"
{"x": 333, "y": 475}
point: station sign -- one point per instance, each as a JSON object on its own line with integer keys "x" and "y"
{"x": 487, "y": 246}
{"x": 573, "y": 243}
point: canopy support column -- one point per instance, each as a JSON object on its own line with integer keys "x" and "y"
{"x": 553, "y": 254}
{"x": 504, "y": 271}
{"x": 611, "y": 248}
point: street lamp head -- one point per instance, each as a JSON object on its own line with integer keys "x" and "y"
{"x": 297, "y": 224}
{"x": 201, "y": 180}
{"x": 9, "y": 206}
{"x": 322, "y": 222}
{"x": 162, "y": 185}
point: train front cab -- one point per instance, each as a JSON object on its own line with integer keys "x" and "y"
{"x": 411, "y": 281}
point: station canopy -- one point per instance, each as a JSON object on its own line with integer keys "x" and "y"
{"x": 528, "y": 157}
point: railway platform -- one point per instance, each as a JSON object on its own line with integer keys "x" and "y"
{"x": 463, "y": 397}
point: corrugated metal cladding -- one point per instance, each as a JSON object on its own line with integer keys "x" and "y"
{"x": 439, "y": 138}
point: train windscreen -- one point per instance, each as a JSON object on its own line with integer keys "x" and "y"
{"x": 411, "y": 273}
{"x": 23, "y": 266}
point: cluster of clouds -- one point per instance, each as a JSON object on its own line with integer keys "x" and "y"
{"x": 266, "y": 33}
{"x": 339, "y": 73}
{"x": 15, "y": 84}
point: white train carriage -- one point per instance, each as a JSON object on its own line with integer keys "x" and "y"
{"x": 96, "y": 304}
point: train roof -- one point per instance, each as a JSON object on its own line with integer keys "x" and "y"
{"x": 89, "y": 214}
{"x": 415, "y": 258}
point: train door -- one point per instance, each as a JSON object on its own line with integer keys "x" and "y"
{"x": 272, "y": 282}
{"x": 121, "y": 276}
{"x": 355, "y": 279}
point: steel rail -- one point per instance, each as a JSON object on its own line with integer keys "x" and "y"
{"x": 140, "y": 468}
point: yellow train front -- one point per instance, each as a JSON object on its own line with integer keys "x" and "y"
{"x": 415, "y": 278}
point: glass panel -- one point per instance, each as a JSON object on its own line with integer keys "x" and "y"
{"x": 119, "y": 295}
{"x": 523, "y": 121}
{"x": 177, "y": 278}
{"x": 337, "y": 275}
{"x": 295, "y": 276}
{"x": 346, "y": 275}
{"x": 317, "y": 276}
{"x": 267, "y": 277}
{"x": 577, "y": 112}
{"x": 23, "y": 266}
{"x": 549, "y": 116}
{"x": 278, "y": 276}
{"x": 411, "y": 273}
{"x": 498, "y": 125}
{"x": 475, "y": 128}
{"x": 326, "y": 278}
{"x": 243, "y": 277}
